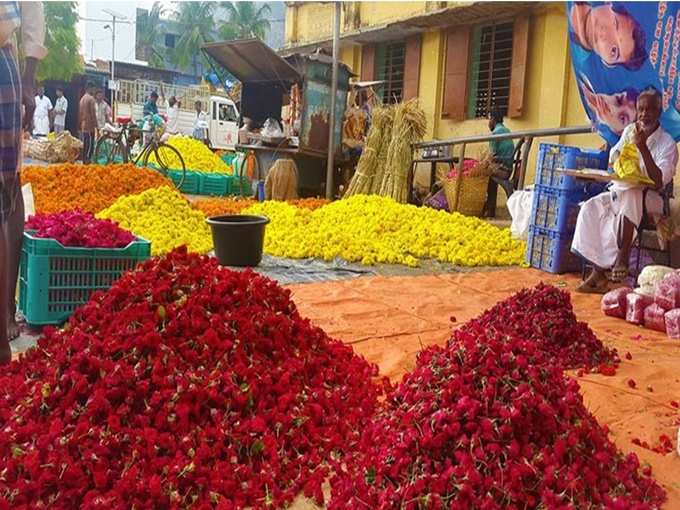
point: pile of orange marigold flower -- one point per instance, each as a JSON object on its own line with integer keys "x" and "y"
{"x": 90, "y": 188}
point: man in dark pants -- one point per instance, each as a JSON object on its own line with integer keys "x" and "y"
{"x": 15, "y": 91}
{"x": 87, "y": 113}
{"x": 502, "y": 152}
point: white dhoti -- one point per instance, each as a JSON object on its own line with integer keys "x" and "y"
{"x": 41, "y": 126}
{"x": 599, "y": 222}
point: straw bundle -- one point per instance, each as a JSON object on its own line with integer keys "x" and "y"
{"x": 409, "y": 127}
{"x": 376, "y": 144}
{"x": 381, "y": 157}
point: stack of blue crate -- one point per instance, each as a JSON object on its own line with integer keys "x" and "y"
{"x": 556, "y": 205}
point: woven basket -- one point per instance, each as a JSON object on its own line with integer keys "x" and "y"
{"x": 466, "y": 195}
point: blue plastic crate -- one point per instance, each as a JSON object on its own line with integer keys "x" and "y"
{"x": 555, "y": 209}
{"x": 551, "y": 251}
{"x": 191, "y": 182}
{"x": 554, "y": 157}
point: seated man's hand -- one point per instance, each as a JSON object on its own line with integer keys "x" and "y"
{"x": 639, "y": 136}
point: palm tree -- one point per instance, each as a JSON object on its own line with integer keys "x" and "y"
{"x": 246, "y": 20}
{"x": 148, "y": 34}
{"x": 195, "y": 20}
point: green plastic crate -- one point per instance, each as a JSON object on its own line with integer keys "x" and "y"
{"x": 56, "y": 279}
{"x": 213, "y": 184}
{"x": 191, "y": 182}
{"x": 239, "y": 186}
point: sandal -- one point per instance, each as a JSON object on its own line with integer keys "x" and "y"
{"x": 618, "y": 274}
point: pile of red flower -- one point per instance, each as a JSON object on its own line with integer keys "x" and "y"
{"x": 77, "y": 228}
{"x": 491, "y": 421}
{"x": 184, "y": 385}
{"x": 545, "y": 316}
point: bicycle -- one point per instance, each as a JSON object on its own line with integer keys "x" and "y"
{"x": 115, "y": 146}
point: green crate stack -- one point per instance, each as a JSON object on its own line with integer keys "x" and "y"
{"x": 55, "y": 279}
{"x": 191, "y": 182}
{"x": 214, "y": 184}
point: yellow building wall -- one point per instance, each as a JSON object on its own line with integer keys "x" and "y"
{"x": 551, "y": 95}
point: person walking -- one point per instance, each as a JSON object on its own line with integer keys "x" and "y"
{"x": 60, "y": 109}
{"x": 103, "y": 111}
{"x": 15, "y": 91}
{"x": 41, "y": 116}
{"x": 87, "y": 113}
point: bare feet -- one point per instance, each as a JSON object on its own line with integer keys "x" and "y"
{"x": 13, "y": 329}
{"x": 596, "y": 283}
{"x": 5, "y": 353}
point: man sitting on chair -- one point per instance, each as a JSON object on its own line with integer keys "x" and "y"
{"x": 607, "y": 224}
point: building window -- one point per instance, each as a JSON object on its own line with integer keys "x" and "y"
{"x": 490, "y": 69}
{"x": 170, "y": 40}
{"x": 389, "y": 60}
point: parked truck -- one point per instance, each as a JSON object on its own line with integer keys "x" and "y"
{"x": 222, "y": 112}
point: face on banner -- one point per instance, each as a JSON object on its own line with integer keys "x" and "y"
{"x": 619, "y": 49}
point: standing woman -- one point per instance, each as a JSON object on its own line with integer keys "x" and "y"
{"x": 15, "y": 91}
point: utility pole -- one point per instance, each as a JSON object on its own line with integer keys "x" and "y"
{"x": 114, "y": 15}
{"x": 330, "y": 167}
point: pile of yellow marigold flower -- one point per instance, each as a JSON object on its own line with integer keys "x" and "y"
{"x": 164, "y": 217}
{"x": 372, "y": 229}
{"x": 196, "y": 155}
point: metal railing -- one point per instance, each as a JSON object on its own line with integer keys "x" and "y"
{"x": 528, "y": 136}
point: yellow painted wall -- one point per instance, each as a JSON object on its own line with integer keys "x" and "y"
{"x": 551, "y": 95}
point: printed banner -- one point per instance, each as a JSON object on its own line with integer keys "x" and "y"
{"x": 619, "y": 49}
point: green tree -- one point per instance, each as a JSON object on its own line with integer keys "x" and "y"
{"x": 63, "y": 44}
{"x": 196, "y": 22}
{"x": 245, "y": 20}
{"x": 148, "y": 35}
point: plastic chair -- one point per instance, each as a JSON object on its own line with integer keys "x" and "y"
{"x": 648, "y": 224}
{"x": 509, "y": 183}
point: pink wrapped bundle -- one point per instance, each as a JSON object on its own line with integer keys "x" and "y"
{"x": 673, "y": 324}
{"x": 667, "y": 292}
{"x": 655, "y": 318}
{"x": 614, "y": 302}
{"x": 636, "y": 304}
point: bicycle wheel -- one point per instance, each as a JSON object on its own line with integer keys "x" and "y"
{"x": 168, "y": 158}
{"x": 110, "y": 150}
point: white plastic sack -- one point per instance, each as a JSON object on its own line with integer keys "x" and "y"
{"x": 519, "y": 206}
{"x": 29, "y": 204}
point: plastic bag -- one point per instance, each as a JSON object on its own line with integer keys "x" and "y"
{"x": 636, "y": 304}
{"x": 29, "y": 204}
{"x": 438, "y": 201}
{"x": 655, "y": 318}
{"x": 627, "y": 166}
{"x": 667, "y": 291}
{"x": 673, "y": 324}
{"x": 614, "y": 302}
{"x": 272, "y": 128}
{"x": 519, "y": 207}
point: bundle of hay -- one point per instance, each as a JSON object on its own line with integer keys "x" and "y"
{"x": 409, "y": 127}
{"x": 376, "y": 145}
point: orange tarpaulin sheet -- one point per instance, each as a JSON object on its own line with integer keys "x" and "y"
{"x": 388, "y": 320}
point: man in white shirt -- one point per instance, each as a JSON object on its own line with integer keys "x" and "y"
{"x": 60, "y": 108}
{"x": 201, "y": 124}
{"x": 41, "y": 116}
{"x": 171, "y": 126}
{"x": 607, "y": 224}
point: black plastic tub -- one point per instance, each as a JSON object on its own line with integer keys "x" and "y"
{"x": 238, "y": 239}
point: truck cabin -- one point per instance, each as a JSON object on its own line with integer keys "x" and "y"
{"x": 294, "y": 90}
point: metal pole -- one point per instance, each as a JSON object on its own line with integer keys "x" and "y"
{"x": 113, "y": 68}
{"x": 334, "y": 92}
